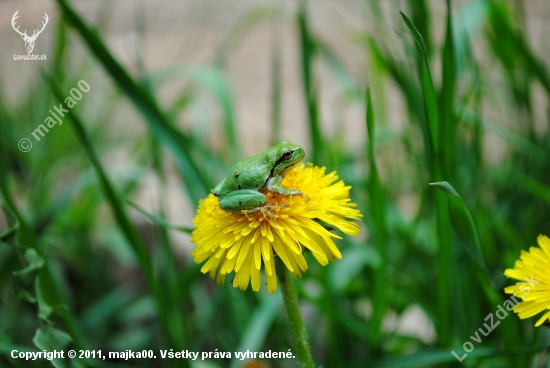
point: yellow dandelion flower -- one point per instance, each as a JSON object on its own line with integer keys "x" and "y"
{"x": 245, "y": 242}
{"x": 533, "y": 270}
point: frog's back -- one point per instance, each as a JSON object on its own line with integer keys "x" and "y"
{"x": 250, "y": 173}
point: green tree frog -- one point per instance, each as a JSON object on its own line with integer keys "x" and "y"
{"x": 242, "y": 189}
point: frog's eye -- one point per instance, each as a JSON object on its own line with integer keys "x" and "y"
{"x": 287, "y": 155}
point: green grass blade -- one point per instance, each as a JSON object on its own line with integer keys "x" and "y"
{"x": 517, "y": 141}
{"x": 44, "y": 282}
{"x": 9, "y": 233}
{"x": 466, "y": 232}
{"x": 421, "y": 18}
{"x": 178, "y": 143}
{"x": 445, "y": 254}
{"x": 215, "y": 82}
{"x": 117, "y": 207}
{"x": 258, "y": 326}
{"x": 531, "y": 186}
{"x": 444, "y": 271}
{"x": 430, "y": 358}
{"x": 60, "y": 49}
{"x": 166, "y": 268}
{"x": 336, "y": 67}
{"x": 251, "y": 19}
{"x": 25, "y": 237}
{"x": 159, "y": 221}
{"x": 447, "y": 133}
{"x": 108, "y": 190}
{"x": 275, "y": 84}
{"x": 6, "y": 348}
{"x": 428, "y": 89}
{"x": 510, "y": 44}
{"x": 377, "y": 211}
{"x": 97, "y": 313}
{"x": 307, "y": 48}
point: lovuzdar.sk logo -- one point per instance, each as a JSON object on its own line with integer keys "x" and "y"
{"x": 29, "y": 40}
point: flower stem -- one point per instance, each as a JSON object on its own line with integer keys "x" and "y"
{"x": 297, "y": 329}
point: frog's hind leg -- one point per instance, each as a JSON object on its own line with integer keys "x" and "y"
{"x": 241, "y": 200}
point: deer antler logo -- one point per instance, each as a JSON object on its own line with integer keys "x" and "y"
{"x": 29, "y": 40}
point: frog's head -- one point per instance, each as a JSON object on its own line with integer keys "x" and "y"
{"x": 287, "y": 155}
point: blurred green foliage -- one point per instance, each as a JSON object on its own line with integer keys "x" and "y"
{"x": 78, "y": 271}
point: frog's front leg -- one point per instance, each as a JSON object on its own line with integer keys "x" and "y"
{"x": 240, "y": 200}
{"x": 274, "y": 185}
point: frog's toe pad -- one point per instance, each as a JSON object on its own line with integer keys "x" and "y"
{"x": 268, "y": 209}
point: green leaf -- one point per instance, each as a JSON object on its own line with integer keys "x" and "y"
{"x": 49, "y": 339}
{"x": 48, "y": 299}
{"x": 463, "y": 224}
{"x": 24, "y": 280}
{"x": 447, "y": 188}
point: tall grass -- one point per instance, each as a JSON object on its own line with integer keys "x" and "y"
{"x": 84, "y": 267}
